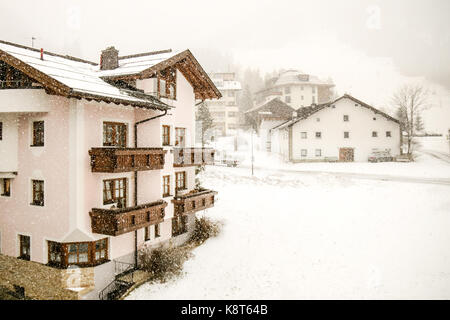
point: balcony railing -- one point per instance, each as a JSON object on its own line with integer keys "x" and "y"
{"x": 114, "y": 222}
{"x": 193, "y": 201}
{"x": 184, "y": 157}
{"x": 126, "y": 159}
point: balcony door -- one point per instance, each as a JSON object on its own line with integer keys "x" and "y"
{"x": 114, "y": 134}
{"x": 180, "y": 137}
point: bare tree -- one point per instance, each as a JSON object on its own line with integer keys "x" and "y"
{"x": 410, "y": 101}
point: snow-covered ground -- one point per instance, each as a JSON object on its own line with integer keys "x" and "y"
{"x": 298, "y": 236}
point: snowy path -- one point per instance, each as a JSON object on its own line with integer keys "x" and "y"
{"x": 318, "y": 236}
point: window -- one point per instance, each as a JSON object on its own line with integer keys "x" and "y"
{"x": 24, "y": 250}
{"x": 180, "y": 178}
{"x": 157, "y": 230}
{"x": 77, "y": 253}
{"x": 166, "y": 136}
{"x": 318, "y": 119}
{"x": 304, "y": 152}
{"x": 114, "y": 134}
{"x": 303, "y": 135}
{"x": 388, "y": 134}
{"x": 1, "y": 130}
{"x": 179, "y": 225}
{"x": 5, "y": 185}
{"x": 287, "y": 90}
{"x": 287, "y": 99}
{"x": 346, "y": 134}
{"x": 147, "y": 233}
{"x": 38, "y": 134}
{"x": 38, "y": 193}
{"x": 345, "y": 117}
{"x": 180, "y": 134}
{"x": 318, "y": 152}
{"x": 318, "y": 135}
{"x": 374, "y": 118}
{"x": 55, "y": 253}
{"x": 101, "y": 249}
{"x": 114, "y": 191}
{"x": 374, "y": 134}
{"x": 166, "y": 186}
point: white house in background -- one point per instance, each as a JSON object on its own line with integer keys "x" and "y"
{"x": 296, "y": 89}
{"x": 268, "y": 115}
{"x": 345, "y": 129}
{"x": 225, "y": 111}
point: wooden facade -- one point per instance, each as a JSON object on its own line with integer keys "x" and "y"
{"x": 193, "y": 201}
{"x": 115, "y": 160}
{"x": 114, "y": 222}
{"x": 185, "y": 157}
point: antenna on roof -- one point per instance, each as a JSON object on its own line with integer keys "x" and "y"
{"x": 32, "y": 41}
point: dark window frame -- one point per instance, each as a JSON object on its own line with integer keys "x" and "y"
{"x": 115, "y": 134}
{"x": 6, "y": 187}
{"x": 38, "y": 133}
{"x": 388, "y": 134}
{"x": 374, "y": 134}
{"x": 346, "y": 118}
{"x": 123, "y": 200}
{"x": 180, "y": 184}
{"x": 180, "y": 133}
{"x": 24, "y": 243}
{"x": 61, "y": 250}
{"x": 166, "y": 135}
{"x": 346, "y": 134}
{"x": 166, "y": 186}
{"x": 38, "y": 193}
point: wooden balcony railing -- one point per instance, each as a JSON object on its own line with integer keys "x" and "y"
{"x": 114, "y": 222}
{"x": 184, "y": 157}
{"x": 193, "y": 201}
{"x": 126, "y": 159}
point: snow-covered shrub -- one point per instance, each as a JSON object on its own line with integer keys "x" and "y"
{"x": 163, "y": 263}
{"x": 204, "y": 229}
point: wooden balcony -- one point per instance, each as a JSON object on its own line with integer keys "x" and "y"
{"x": 185, "y": 157}
{"x": 114, "y": 222}
{"x": 193, "y": 201}
{"x": 126, "y": 159}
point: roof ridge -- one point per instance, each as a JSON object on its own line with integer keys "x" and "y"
{"x": 48, "y": 52}
{"x": 145, "y": 54}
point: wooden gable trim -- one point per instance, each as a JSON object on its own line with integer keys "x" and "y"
{"x": 199, "y": 79}
{"x": 47, "y": 81}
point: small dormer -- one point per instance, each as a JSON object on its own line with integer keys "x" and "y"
{"x": 109, "y": 59}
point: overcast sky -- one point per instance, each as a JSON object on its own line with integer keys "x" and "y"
{"x": 369, "y": 48}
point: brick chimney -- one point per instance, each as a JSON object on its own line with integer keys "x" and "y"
{"x": 109, "y": 59}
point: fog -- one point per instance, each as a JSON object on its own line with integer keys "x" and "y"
{"x": 368, "y": 48}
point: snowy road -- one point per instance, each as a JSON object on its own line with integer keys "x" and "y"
{"x": 380, "y": 177}
{"x": 318, "y": 237}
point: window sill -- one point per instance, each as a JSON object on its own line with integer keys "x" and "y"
{"x": 167, "y": 195}
{"x": 36, "y": 145}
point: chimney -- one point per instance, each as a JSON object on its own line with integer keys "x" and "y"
{"x": 109, "y": 59}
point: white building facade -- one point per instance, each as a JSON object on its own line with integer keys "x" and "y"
{"x": 225, "y": 111}
{"x": 344, "y": 130}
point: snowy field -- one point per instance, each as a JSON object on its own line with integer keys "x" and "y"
{"x": 299, "y": 236}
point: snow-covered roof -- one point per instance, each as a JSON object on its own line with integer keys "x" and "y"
{"x": 136, "y": 64}
{"x": 227, "y": 84}
{"x": 305, "y": 112}
{"x": 70, "y": 77}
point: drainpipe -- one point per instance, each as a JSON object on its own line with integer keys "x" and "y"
{"x": 136, "y": 184}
